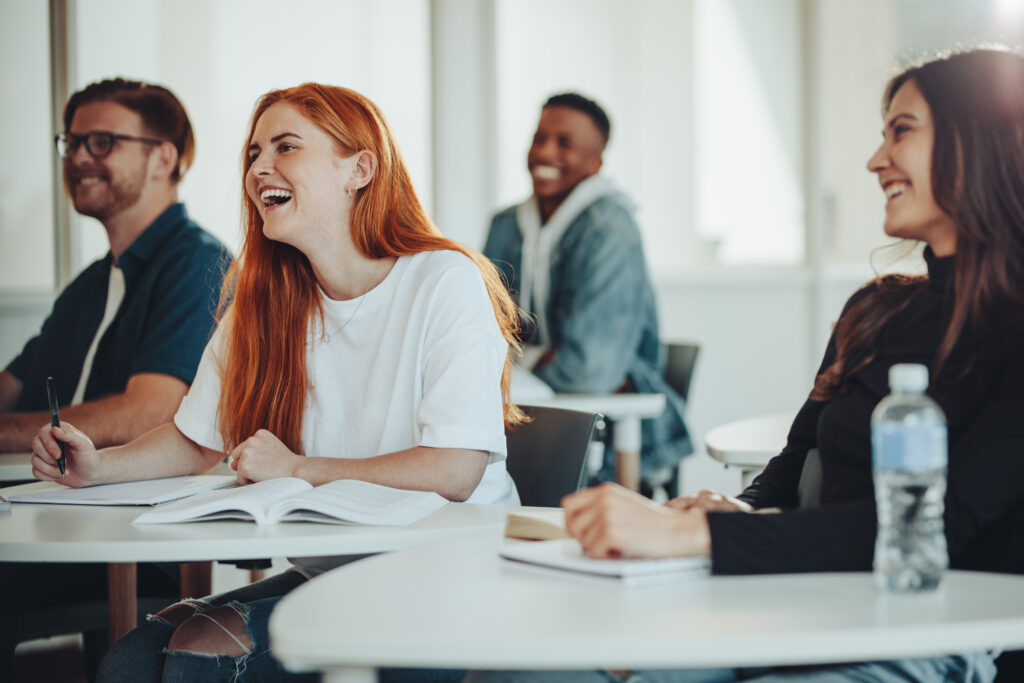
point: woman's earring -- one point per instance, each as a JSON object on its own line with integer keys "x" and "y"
{"x": 349, "y": 192}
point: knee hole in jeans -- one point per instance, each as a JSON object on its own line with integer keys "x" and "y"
{"x": 175, "y": 614}
{"x": 217, "y": 631}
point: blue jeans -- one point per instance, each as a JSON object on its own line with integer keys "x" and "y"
{"x": 142, "y": 654}
{"x": 972, "y": 668}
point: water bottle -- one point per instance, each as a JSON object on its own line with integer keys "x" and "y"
{"x": 909, "y": 454}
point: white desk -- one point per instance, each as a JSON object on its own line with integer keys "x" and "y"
{"x": 626, "y": 410}
{"x": 92, "y": 533}
{"x": 749, "y": 444}
{"x": 16, "y": 466}
{"x": 455, "y": 604}
{"x": 77, "y": 533}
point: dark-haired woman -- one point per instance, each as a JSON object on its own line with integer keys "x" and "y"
{"x": 951, "y": 167}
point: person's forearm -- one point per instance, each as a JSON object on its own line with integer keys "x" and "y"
{"x": 108, "y": 421}
{"x": 10, "y": 391}
{"x": 833, "y": 538}
{"x": 18, "y": 429}
{"x": 162, "y": 452}
{"x": 450, "y": 472}
{"x": 149, "y": 400}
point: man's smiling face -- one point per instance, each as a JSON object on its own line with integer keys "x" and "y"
{"x": 566, "y": 150}
{"x": 103, "y": 188}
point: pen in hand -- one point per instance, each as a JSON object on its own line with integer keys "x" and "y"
{"x": 51, "y": 394}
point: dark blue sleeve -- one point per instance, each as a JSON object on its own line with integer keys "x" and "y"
{"x": 19, "y": 366}
{"x": 59, "y": 348}
{"x": 182, "y": 312}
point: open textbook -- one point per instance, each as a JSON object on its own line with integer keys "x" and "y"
{"x": 146, "y": 492}
{"x": 290, "y": 499}
{"x": 567, "y": 556}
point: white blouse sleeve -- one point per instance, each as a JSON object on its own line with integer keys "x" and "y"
{"x": 197, "y": 415}
{"x": 463, "y": 357}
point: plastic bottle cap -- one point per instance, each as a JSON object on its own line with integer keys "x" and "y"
{"x": 908, "y": 377}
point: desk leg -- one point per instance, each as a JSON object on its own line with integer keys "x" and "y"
{"x": 748, "y": 474}
{"x": 196, "y": 579}
{"x": 350, "y": 675}
{"x": 627, "y": 452}
{"x": 122, "y": 592}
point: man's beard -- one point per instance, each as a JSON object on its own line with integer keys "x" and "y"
{"x": 120, "y": 193}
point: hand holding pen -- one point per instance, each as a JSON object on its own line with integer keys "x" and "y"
{"x": 51, "y": 394}
{"x": 83, "y": 464}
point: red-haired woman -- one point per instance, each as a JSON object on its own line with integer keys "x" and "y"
{"x": 356, "y": 343}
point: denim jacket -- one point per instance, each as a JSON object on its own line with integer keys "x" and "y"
{"x": 601, "y": 319}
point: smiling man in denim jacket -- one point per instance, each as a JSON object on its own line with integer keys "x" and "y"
{"x": 572, "y": 256}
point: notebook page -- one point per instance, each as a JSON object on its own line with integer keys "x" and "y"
{"x": 146, "y": 492}
{"x": 243, "y": 502}
{"x": 351, "y": 500}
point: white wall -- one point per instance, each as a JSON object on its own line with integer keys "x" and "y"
{"x": 26, "y": 206}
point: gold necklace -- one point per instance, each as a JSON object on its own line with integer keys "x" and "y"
{"x": 327, "y": 335}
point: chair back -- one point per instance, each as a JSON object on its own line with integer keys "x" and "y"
{"x": 682, "y": 359}
{"x": 808, "y": 488}
{"x": 546, "y": 457}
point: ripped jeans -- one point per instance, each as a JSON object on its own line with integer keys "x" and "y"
{"x": 143, "y": 655}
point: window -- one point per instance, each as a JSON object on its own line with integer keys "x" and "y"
{"x": 748, "y": 131}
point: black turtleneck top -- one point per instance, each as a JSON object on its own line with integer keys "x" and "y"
{"x": 981, "y": 391}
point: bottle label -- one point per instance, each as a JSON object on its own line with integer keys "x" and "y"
{"x": 909, "y": 449}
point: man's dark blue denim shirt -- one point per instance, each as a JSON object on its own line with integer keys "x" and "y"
{"x": 172, "y": 274}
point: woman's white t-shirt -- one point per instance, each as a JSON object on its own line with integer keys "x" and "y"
{"x": 416, "y": 361}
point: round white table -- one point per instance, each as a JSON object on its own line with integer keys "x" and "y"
{"x": 93, "y": 533}
{"x": 16, "y": 466}
{"x": 749, "y": 444}
{"x": 89, "y": 533}
{"x": 456, "y": 604}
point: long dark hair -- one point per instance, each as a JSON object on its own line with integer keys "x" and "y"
{"x": 976, "y": 99}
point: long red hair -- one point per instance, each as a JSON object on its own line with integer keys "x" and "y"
{"x": 271, "y": 291}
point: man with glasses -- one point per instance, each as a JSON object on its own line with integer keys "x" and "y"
{"x": 124, "y": 338}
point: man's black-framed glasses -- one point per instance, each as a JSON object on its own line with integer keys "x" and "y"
{"x": 99, "y": 143}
